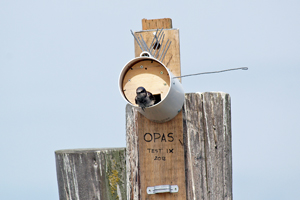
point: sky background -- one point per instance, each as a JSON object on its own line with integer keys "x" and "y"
{"x": 59, "y": 69}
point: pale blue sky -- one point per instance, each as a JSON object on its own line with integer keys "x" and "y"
{"x": 59, "y": 68}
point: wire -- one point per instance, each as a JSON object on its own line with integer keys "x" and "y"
{"x": 225, "y": 70}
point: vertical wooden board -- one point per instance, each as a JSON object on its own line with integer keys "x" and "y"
{"x": 172, "y": 58}
{"x": 132, "y": 154}
{"x": 196, "y": 175}
{"x": 207, "y": 129}
{"x": 148, "y": 24}
{"x": 161, "y": 157}
{"x": 97, "y": 174}
{"x": 156, "y": 152}
{"x": 216, "y": 108}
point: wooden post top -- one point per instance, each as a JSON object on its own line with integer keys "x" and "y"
{"x": 148, "y": 24}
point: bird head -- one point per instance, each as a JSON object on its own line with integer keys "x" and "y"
{"x": 141, "y": 91}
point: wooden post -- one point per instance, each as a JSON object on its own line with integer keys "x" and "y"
{"x": 207, "y": 142}
{"x": 192, "y": 151}
{"x": 207, "y": 150}
{"x": 155, "y": 152}
{"x": 86, "y": 174}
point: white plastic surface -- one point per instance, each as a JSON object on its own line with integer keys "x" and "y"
{"x": 169, "y": 106}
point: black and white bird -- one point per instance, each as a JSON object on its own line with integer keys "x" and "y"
{"x": 144, "y": 98}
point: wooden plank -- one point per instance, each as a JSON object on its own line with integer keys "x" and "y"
{"x": 207, "y": 128}
{"x": 91, "y": 174}
{"x": 132, "y": 154}
{"x": 158, "y": 148}
{"x": 165, "y": 23}
{"x": 155, "y": 156}
{"x": 194, "y": 146}
{"x": 172, "y": 58}
{"x": 161, "y": 157}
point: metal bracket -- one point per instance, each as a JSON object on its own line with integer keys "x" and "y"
{"x": 162, "y": 189}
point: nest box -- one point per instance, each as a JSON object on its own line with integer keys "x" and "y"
{"x": 148, "y": 72}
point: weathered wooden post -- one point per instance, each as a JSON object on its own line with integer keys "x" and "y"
{"x": 91, "y": 174}
{"x": 188, "y": 157}
{"x": 208, "y": 154}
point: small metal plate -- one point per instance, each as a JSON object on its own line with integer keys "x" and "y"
{"x": 162, "y": 189}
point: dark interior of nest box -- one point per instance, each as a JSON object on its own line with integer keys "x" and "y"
{"x": 149, "y": 74}
{"x": 157, "y": 98}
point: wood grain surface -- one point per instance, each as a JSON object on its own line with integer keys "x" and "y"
{"x": 155, "y": 156}
{"x": 91, "y": 174}
{"x": 206, "y": 127}
{"x": 148, "y": 24}
{"x": 207, "y": 131}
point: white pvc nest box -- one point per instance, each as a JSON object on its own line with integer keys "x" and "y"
{"x": 148, "y": 72}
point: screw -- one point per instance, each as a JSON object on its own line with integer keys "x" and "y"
{"x": 161, "y": 72}
{"x": 141, "y": 66}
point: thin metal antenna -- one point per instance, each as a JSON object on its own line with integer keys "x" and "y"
{"x": 145, "y": 43}
{"x": 162, "y": 41}
{"x": 136, "y": 40}
{"x": 225, "y": 70}
{"x": 158, "y": 42}
{"x": 166, "y": 52}
{"x": 163, "y": 49}
{"x": 155, "y": 37}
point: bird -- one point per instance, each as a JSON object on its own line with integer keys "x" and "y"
{"x": 144, "y": 98}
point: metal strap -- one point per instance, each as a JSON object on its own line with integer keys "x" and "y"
{"x": 162, "y": 189}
